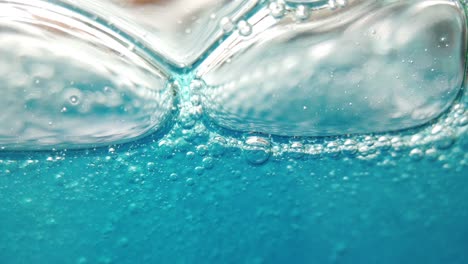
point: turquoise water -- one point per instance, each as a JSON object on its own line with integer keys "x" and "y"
{"x": 197, "y": 179}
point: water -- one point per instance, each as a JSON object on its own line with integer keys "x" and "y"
{"x": 150, "y": 155}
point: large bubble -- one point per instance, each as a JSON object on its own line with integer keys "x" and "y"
{"x": 67, "y": 81}
{"x": 367, "y": 66}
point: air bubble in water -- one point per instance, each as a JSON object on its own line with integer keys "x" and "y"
{"x": 244, "y": 28}
{"x": 297, "y": 80}
{"x": 416, "y": 154}
{"x": 297, "y": 149}
{"x": 302, "y": 12}
{"x": 445, "y": 139}
{"x": 349, "y": 147}
{"x": 257, "y": 150}
{"x": 61, "y": 82}
{"x": 463, "y": 121}
{"x": 226, "y": 24}
{"x": 217, "y": 146}
{"x": 277, "y": 9}
{"x": 74, "y": 100}
{"x": 208, "y": 163}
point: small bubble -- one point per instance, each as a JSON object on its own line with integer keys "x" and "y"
{"x": 297, "y": 149}
{"x": 226, "y": 24}
{"x": 173, "y": 177}
{"x": 74, "y": 100}
{"x": 196, "y": 85}
{"x": 190, "y": 182}
{"x": 436, "y": 129}
{"x": 190, "y": 155}
{"x": 333, "y": 4}
{"x": 384, "y": 143}
{"x": 349, "y": 147}
{"x": 332, "y": 149}
{"x": 199, "y": 170}
{"x": 364, "y": 150}
{"x": 416, "y": 154}
{"x": 463, "y": 121}
{"x": 244, "y": 27}
{"x": 166, "y": 149}
{"x": 302, "y": 12}
{"x": 276, "y": 9}
{"x": 208, "y": 163}
{"x": 257, "y": 150}
{"x": 187, "y": 120}
{"x": 445, "y": 140}
{"x": 431, "y": 154}
{"x": 195, "y": 100}
{"x": 369, "y": 141}
{"x": 217, "y": 146}
{"x": 202, "y": 150}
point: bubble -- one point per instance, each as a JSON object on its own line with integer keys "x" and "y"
{"x": 332, "y": 149}
{"x": 208, "y": 163}
{"x": 190, "y": 181}
{"x": 226, "y": 24}
{"x": 166, "y": 149}
{"x": 257, "y": 150}
{"x": 463, "y": 121}
{"x": 190, "y": 155}
{"x": 187, "y": 120}
{"x": 384, "y": 143}
{"x": 67, "y": 75}
{"x": 196, "y": 85}
{"x": 195, "y": 100}
{"x": 302, "y": 12}
{"x": 217, "y": 146}
{"x": 332, "y": 92}
{"x": 369, "y": 141}
{"x": 74, "y": 100}
{"x": 202, "y": 150}
{"x": 199, "y": 170}
{"x": 445, "y": 139}
{"x": 416, "y": 154}
{"x": 173, "y": 177}
{"x": 364, "y": 150}
{"x": 297, "y": 150}
{"x": 277, "y": 9}
{"x": 349, "y": 147}
{"x": 244, "y": 27}
{"x": 436, "y": 129}
{"x": 431, "y": 154}
{"x": 337, "y": 3}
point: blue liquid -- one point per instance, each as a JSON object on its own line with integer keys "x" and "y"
{"x": 199, "y": 193}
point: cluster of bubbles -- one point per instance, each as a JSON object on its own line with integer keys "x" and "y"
{"x": 200, "y": 137}
{"x": 302, "y": 9}
{"x": 299, "y": 10}
{"x": 192, "y": 136}
{"x": 210, "y": 142}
